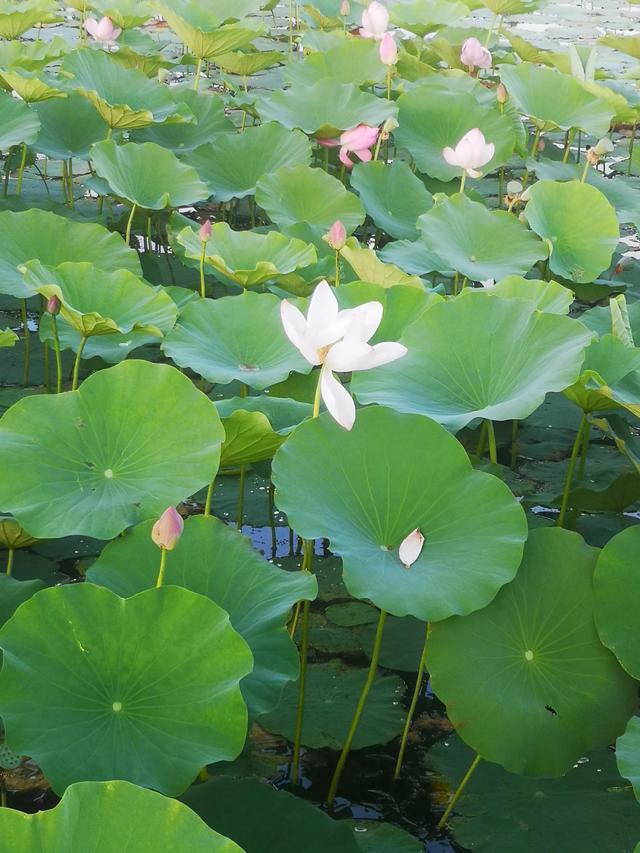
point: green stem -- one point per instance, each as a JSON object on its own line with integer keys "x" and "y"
{"x": 459, "y": 791}
{"x": 514, "y": 443}
{"x": 26, "y": 352}
{"x": 567, "y": 145}
{"x": 129, "y": 224}
{"x": 240, "y": 512}
{"x": 271, "y": 496}
{"x": 482, "y": 440}
{"x": 493, "y": 452}
{"x": 584, "y": 452}
{"x": 290, "y": 29}
{"x": 490, "y": 32}
{"x": 373, "y": 666}
{"x": 337, "y": 269}
{"x": 70, "y": 183}
{"x": 196, "y": 81}
{"x": 76, "y": 366}
{"x": 500, "y": 184}
{"x": 109, "y": 133}
{"x": 203, "y": 252}
{"x": 534, "y": 146}
{"x": 56, "y": 349}
{"x": 163, "y": 567}
{"x": 316, "y": 399}
{"x": 307, "y": 563}
{"x": 23, "y": 161}
{"x": 389, "y": 83}
{"x": 572, "y": 466}
{"x": 412, "y": 707}
{"x": 463, "y": 181}
{"x": 584, "y": 171}
{"x": 45, "y": 356}
{"x": 207, "y": 503}
{"x": 631, "y": 143}
{"x": 10, "y": 561}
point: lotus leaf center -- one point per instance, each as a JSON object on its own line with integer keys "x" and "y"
{"x": 117, "y": 706}
{"x": 528, "y": 654}
{"x": 249, "y": 368}
{"x": 108, "y": 474}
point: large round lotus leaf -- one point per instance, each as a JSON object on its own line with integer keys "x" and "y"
{"x": 590, "y": 809}
{"x": 366, "y": 490}
{"x": 547, "y": 296}
{"x": 147, "y": 175}
{"x": 246, "y": 257}
{"x": 579, "y": 225}
{"x": 13, "y": 593}
{"x": 355, "y": 61}
{"x": 617, "y": 597}
{"x": 265, "y": 820}
{"x": 124, "y": 98}
{"x": 29, "y": 86}
{"x": 199, "y": 28}
{"x": 326, "y": 108}
{"x": 248, "y": 438}
{"x": 248, "y": 62}
{"x": 610, "y": 377}
{"x": 235, "y": 338}
{"x": 232, "y": 165}
{"x": 94, "y": 302}
{"x": 373, "y": 836}
{"x": 18, "y": 122}
{"x": 628, "y": 754}
{"x": 526, "y": 681}
{"x": 145, "y": 689}
{"x": 432, "y": 119}
{"x": 300, "y": 194}
{"x": 33, "y": 55}
{"x": 210, "y": 119}
{"x": 478, "y": 357}
{"x": 600, "y": 320}
{"x": 555, "y": 100}
{"x": 477, "y": 242}
{"x": 58, "y": 240}
{"x": 16, "y": 20}
{"x": 125, "y": 13}
{"x": 111, "y": 817}
{"x": 368, "y": 267}
{"x": 402, "y": 305}
{"x": 392, "y": 195}
{"x": 332, "y": 685}
{"x": 412, "y": 256}
{"x": 217, "y": 561}
{"x": 100, "y": 459}
{"x": 69, "y": 128}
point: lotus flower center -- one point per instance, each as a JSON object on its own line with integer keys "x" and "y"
{"x": 117, "y": 706}
{"x": 249, "y": 368}
{"x": 108, "y": 474}
{"x": 528, "y": 655}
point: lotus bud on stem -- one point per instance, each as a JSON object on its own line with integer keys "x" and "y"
{"x": 53, "y": 307}
{"x": 76, "y": 364}
{"x": 336, "y": 237}
{"x": 165, "y": 534}
{"x": 204, "y": 233}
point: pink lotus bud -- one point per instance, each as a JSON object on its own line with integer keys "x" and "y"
{"x": 53, "y": 305}
{"x": 102, "y": 30}
{"x": 345, "y": 8}
{"x": 375, "y": 20}
{"x": 336, "y": 237}
{"x": 205, "y": 231}
{"x": 168, "y": 529}
{"x": 388, "y": 50}
{"x": 474, "y": 55}
{"x": 502, "y": 96}
{"x": 410, "y": 548}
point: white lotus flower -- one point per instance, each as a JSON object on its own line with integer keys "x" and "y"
{"x": 337, "y": 340}
{"x": 471, "y": 153}
{"x": 411, "y": 548}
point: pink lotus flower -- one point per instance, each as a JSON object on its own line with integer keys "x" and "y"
{"x": 358, "y": 141}
{"x": 375, "y": 20}
{"x": 471, "y": 153}
{"x": 411, "y": 548}
{"x": 168, "y": 529}
{"x": 474, "y": 55}
{"x": 53, "y": 305}
{"x": 388, "y": 50}
{"x": 336, "y": 236}
{"x": 102, "y": 30}
{"x": 345, "y": 8}
{"x": 338, "y": 340}
{"x": 205, "y": 230}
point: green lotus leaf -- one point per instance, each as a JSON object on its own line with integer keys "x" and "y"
{"x": 426, "y": 16}
{"x": 402, "y": 305}
{"x": 513, "y": 7}
{"x": 579, "y": 225}
{"x": 366, "y": 494}
{"x": 478, "y": 357}
{"x": 628, "y": 754}
{"x": 300, "y": 194}
{"x": 68, "y": 128}
{"x": 95, "y": 461}
{"x": 218, "y": 562}
{"x": 125, "y": 98}
{"x": 617, "y": 594}
{"x": 125, "y": 13}
{"x": 18, "y": 123}
{"x": 479, "y": 243}
{"x": 555, "y": 100}
{"x": 610, "y": 377}
{"x": 17, "y": 19}
{"x": 210, "y": 120}
{"x": 282, "y": 413}
{"x": 248, "y": 62}
{"x": 32, "y": 56}
{"x": 373, "y": 836}
{"x": 325, "y": 108}
{"x": 147, "y": 175}
{"x": 356, "y": 61}
{"x": 368, "y": 267}
{"x": 204, "y": 37}
{"x": 248, "y": 438}
{"x": 265, "y": 819}
{"x": 235, "y": 338}
{"x": 8, "y": 338}
{"x": 547, "y": 296}
{"x": 411, "y": 256}
{"x": 536, "y": 648}
{"x": 531, "y": 53}
{"x": 232, "y": 165}
{"x": 96, "y": 686}
{"x": 112, "y": 348}
{"x": 392, "y": 196}
{"x": 58, "y": 240}
{"x": 625, "y": 44}
{"x": 246, "y": 257}
{"x": 108, "y": 817}
{"x": 600, "y": 321}
{"x": 13, "y": 593}
{"x": 432, "y": 118}
{"x": 332, "y": 684}
{"x": 148, "y": 64}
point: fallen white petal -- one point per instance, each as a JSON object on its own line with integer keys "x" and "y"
{"x": 411, "y": 547}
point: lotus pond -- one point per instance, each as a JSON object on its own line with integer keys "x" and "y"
{"x": 319, "y": 427}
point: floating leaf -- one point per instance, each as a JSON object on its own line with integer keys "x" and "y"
{"x": 373, "y": 836}
{"x": 392, "y": 196}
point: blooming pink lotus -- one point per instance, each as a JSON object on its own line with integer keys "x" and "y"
{"x": 474, "y": 55}
{"x": 357, "y": 141}
{"x": 102, "y": 30}
{"x": 168, "y": 529}
{"x": 375, "y": 20}
{"x": 471, "y": 153}
{"x": 336, "y": 236}
{"x": 388, "y": 50}
{"x": 411, "y": 548}
{"x": 337, "y": 340}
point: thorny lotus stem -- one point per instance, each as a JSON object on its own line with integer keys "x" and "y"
{"x": 203, "y": 252}
{"x": 26, "y": 352}
{"x": 631, "y": 142}
{"x": 76, "y": 365}
{"x": 567, "y": 144}
{"x": 196, "y": 80}
{"x": 129, "y": 224}
{"x": 514, "y": 443}
{"x": 307, "y": 563}
{"x": 23, "y": 161}
{"x": 493, "y": 452}
{"x": 572, "y": 466}
{"x": 459, "y": 791}
{"x": 163, "y": 567}
{"x": 10, "y": 554}
{"x": 373, "y": 666}
{"x": 412, "y": 706}
{"x": 56, "y": 349}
